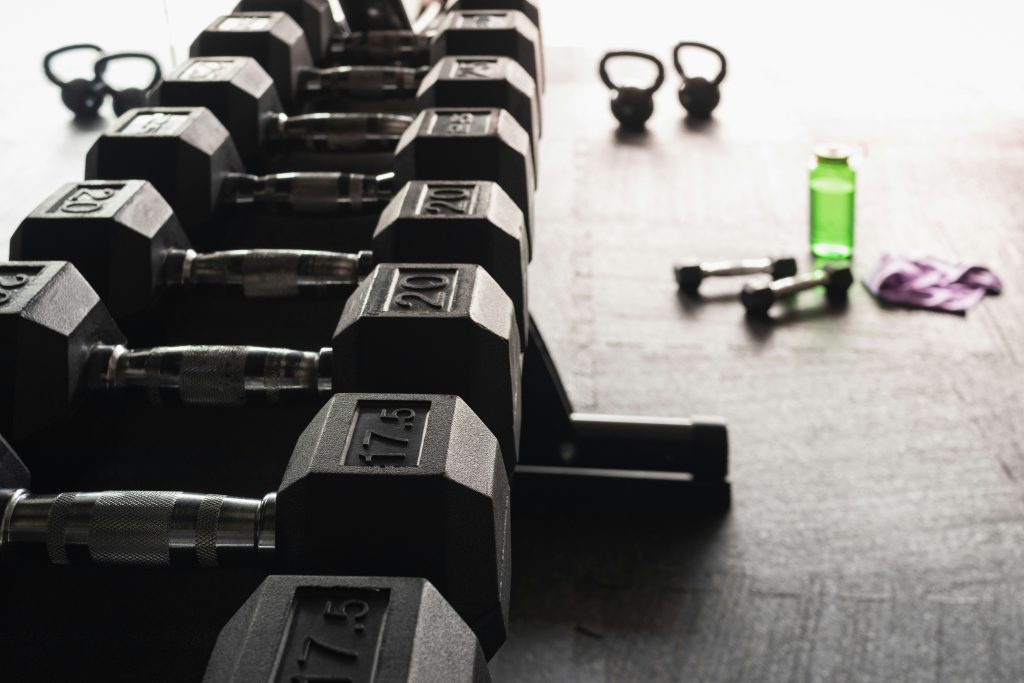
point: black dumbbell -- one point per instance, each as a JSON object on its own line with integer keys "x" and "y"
{"x": 278, "y": 44}
{"x": 13, "y": 473}
{"x": 428, "y": 327}
{"x": 191, "y": 160}
{"x": 316, "y": 19}
{"x": 378, "y": 484}
{"x": 126, "y": 241}
{"x": 345, "y": 628}
{"x": 243, "y": 97}
{"x": 691, "y": 274}
{"x": 371, "y": 15}
{"x": 527, "y": 7}
{"x": 758, "y": 298}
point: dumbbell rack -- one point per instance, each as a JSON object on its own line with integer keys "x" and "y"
{"x": 561, "y": 453}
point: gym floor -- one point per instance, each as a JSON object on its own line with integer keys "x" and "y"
{"x": 877, "y": 524}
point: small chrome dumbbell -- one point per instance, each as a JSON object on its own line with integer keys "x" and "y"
{"x": 758, "y": 298}
{"x": 690, "y": 275}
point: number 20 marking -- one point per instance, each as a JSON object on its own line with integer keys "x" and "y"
{"x": 421, "y": 284}
{"x": 448, "y": 200}
{"x": 87, "y": 200}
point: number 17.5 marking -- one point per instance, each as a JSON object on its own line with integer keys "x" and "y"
{"x": 368, "y": 438}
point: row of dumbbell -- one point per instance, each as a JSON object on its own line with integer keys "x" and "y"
{"x": 482, "y": 126}
{"x": 254, "y": 73}
{"x": 102, "y": 227}
{"x": 377, "y": 484}
{"x": 378, "y": 32}
{"x": 464, "y": 453}
{"x": 244, "y": 98}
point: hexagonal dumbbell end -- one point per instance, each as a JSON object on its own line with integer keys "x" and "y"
{"x": 237, "y": 90}
{"x": 462, "y": 222}
{"x": 50, "y": 319}
{"x": 350, "y": 628}
{"x": 456, "y": 316}
{"x": 836, "y": 279}
{"x": 840, "y": 279}
{"x": 507, "y": 32}
{"x": 471, "y": 144}
{"x": 527, "y": 7}
{"x": 403, "y": 485}
{"x": 272, "y": 38}
{"x": 184, "y": 152}
{"x": 378, "y": 484}
{"x": 473, "y": 80}
{"x": 116, "y": 233}
{"x": 691, "y": 274}
{"x": 314, "y": 16}
{"x": 13, "y": 473}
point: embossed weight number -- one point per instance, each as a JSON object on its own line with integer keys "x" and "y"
{"x": 406, "y": 417}
{"x": 395, "y": 447}
{"x": 447, "y": 201}
{"x": 484, "y": 20}
{"x": 356, "y": 610}
{"x": 9, "y": 282}
{"x": 425, "y": 290}
{"x": 310, "y": 645}
{"x": 350, "y": 612}
{"x": 87, "y": 200}
{"x": 460, "y": 124}
{"x": 475, "y": 69}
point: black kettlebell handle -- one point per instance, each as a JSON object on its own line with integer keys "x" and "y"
{"x": 606, "y": 79}
{"x": 101, "y": 66}
{"x": 48, "y": 59}
{"x": 677, "y": 60}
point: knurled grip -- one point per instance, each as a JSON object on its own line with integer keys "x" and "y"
{"x": 129, "y": 527}
{"x": 213, "y": 375}
{"x": 207, "y": 519}
{"x": 56, "y": 530}
{"x": 142, "y": 528}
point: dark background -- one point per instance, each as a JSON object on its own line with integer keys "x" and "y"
{"x": 876, "y": 528}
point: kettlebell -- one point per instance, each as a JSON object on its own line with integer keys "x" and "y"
{"x": 630, "y": 105}
{"x": 128, "y": 98}
{"x": 82, "y": 96}
{"x": 699, "y": 96}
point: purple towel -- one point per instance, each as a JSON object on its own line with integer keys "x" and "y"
{"x": 931, "y": 283}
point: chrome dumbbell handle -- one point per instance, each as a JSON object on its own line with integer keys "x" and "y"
{"x": 267, "y": 273}
{"x": 362, "y": 82}
{"x": 375, "y": 46}
{"x": 151, "y": 528}
{"x": 323, "y": 193}
{"x": 343, "y": 132}
{"x": 798, "y": 283}
{"x": 690, "y": 275}
{"x": 759, "y": 297}
{"x": 751, "y": 266}
{"x": 228, "y": 376}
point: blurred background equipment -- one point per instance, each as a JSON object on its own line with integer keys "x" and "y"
{"x": 699, "y": 95}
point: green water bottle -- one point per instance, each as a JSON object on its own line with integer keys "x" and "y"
{"x": 833, "y": 182}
